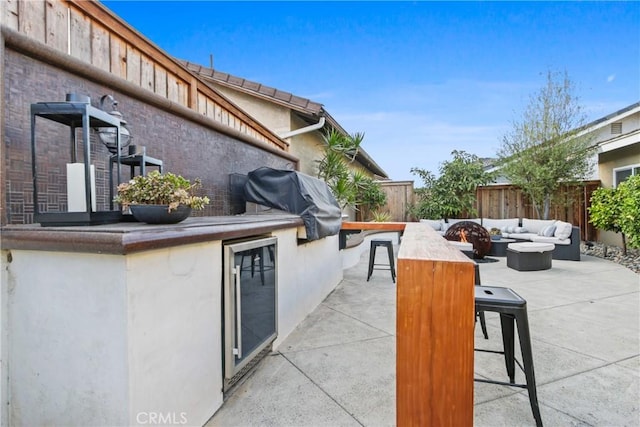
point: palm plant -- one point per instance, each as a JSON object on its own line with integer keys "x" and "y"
{"x": 333, "y": 168}
{"x": 350, "y": 187}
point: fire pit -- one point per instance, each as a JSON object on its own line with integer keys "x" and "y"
{"x": 471, "y": 232}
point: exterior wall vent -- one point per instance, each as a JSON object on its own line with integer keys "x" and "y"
{"x": 616, "y": 128}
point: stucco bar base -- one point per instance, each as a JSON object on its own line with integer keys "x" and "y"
{"x": 123, "y": 332}
{"x": 108, "y": 339}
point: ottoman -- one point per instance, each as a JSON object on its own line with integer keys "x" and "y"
{"x": 529, "y": 256}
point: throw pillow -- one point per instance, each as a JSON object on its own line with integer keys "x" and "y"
{"x": 547, "y": 231}
{"x": 520, "y": 230}
{"x": 563, "y": 230}
{"x": 535, "y": 225}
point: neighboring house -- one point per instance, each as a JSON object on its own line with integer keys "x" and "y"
{"x": 297, "y": 120}
{"x": 616, "y": 137}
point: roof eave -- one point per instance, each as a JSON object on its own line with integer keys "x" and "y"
{"x": 305, "y": 107}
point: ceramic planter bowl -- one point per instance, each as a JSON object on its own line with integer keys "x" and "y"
{"x": 159, "y": 214}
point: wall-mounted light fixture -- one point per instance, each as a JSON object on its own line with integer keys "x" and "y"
{"x": 108, "y": 134}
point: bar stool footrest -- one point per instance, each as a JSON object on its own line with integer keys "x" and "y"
{"x": 482, "y": 380}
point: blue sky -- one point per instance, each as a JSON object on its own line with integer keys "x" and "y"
{"x": 420, "y": 79}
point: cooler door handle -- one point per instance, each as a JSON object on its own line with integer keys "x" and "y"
{"x": 238, "y": 349}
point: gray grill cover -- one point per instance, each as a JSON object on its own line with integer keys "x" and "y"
{"x": 296, "y": 193}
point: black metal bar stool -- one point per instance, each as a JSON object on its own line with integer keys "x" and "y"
{"x": 480, "y": 314}
{"x": 512, "y": 307}
{"x": 372, "y": 258}
{"x": 257, "y": 255}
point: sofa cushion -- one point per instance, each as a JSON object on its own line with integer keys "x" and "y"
{"x": 547, "y": 231}
{"x": 436, "y": 224}
{"x": 530, "y": 247}
{"x": 554, "y": 240}
{"x": 535, "y": 225}
{"x": 563, "y": 230}
{"x": 521, "y": 236}
{"x": 490, "y": 223}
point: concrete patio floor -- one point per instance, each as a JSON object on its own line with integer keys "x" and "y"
{"x": 338, "y": 367}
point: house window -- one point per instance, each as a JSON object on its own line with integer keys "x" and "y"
{"x": 622, "y": 174}
{"x": 616, "y": 128}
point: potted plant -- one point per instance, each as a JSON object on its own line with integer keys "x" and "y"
{"x": 495, "y": 233}
{"x": 160, "y": 198}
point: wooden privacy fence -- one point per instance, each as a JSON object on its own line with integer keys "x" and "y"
{"x": 506, "y": 201}
{"x": 399, "y": 197}
{"x": 571, "y": 205}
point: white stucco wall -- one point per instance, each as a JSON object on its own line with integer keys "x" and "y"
{"x": 621, "y": 158}
{"x": 114, "y": 340}
{"x": 4, "y": 373}
{"x": 175, "y": 333}
{"x": 616, "y": 150}
{"x": 308, "y": 147}
{"x": 610, "y": 238}
{"x": 273, "y": 116}
{"x": 67, "y": 310}
{"x": 307, "y": 273}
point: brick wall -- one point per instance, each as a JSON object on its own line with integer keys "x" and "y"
{"x": 186, "y": 148}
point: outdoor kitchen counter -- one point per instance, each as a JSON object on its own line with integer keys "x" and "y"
{"x": 129, "y": 237}
{"x": 128, "y": 318}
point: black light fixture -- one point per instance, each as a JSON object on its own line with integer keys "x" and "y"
{"x": 108, "y": 134}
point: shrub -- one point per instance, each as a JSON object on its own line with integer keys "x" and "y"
{"x": 160, "y": 189}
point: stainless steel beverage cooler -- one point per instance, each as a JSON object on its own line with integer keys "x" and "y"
{"x": 250, "y": 296}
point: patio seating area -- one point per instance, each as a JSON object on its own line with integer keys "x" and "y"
{"x": 338, "y": 367}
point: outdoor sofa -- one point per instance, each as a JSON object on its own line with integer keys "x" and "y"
{"x": 563, "y": 235}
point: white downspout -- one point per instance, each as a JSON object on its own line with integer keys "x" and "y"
{"x": 306, "y": 129}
